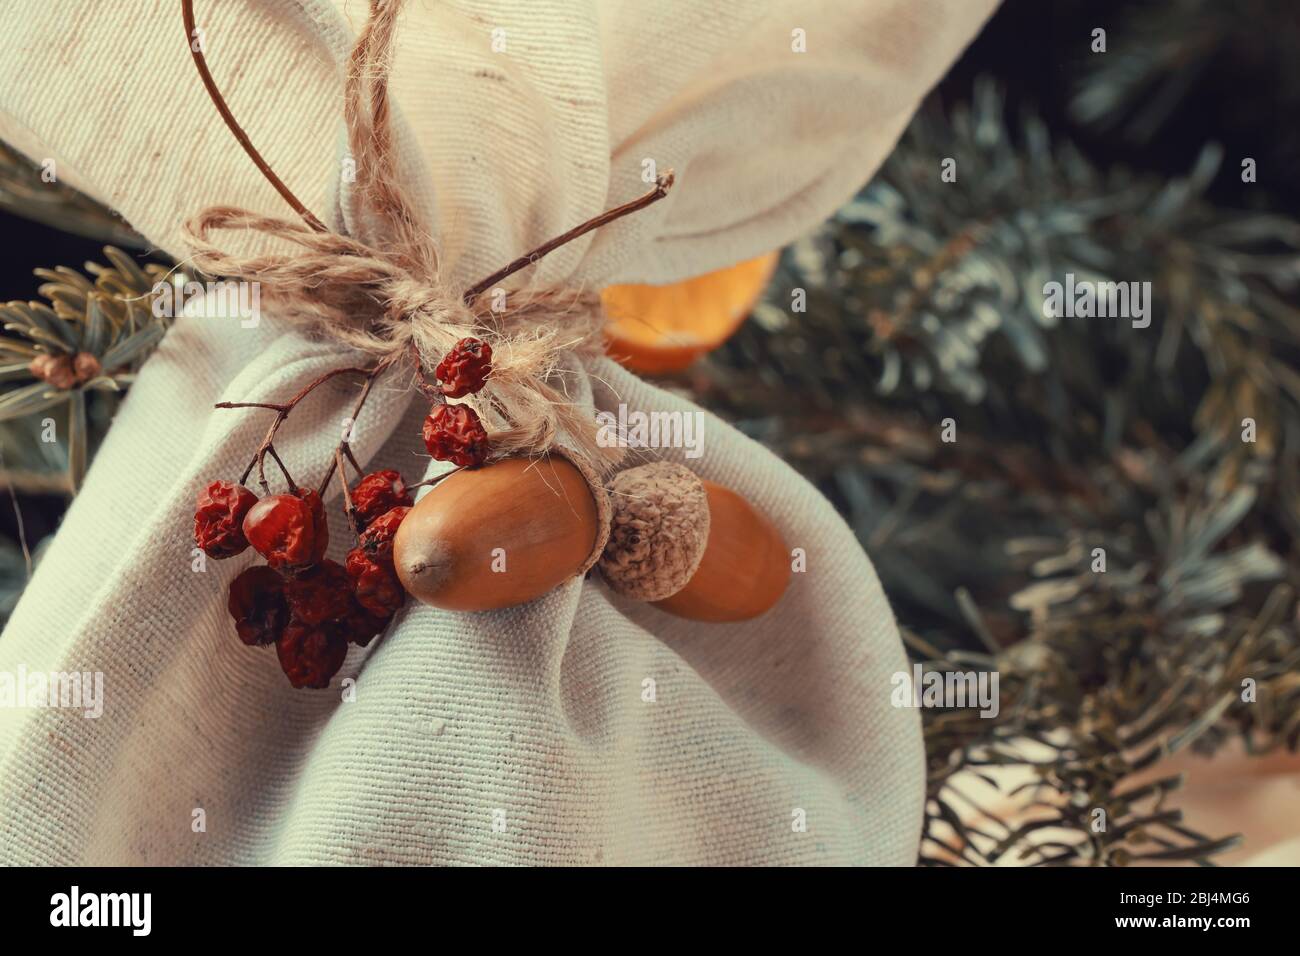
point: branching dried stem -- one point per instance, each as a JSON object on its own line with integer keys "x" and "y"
{"x": 344, "y": 447}
{"x": 283, "y": 409}
{"x": 270, "y": 450}
{"x": 348, "y": 508}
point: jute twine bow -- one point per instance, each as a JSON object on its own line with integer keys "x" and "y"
{"x": 391, "y": 302}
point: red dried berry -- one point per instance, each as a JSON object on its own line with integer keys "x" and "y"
{"x": 311, "y": 654}
{"x": 454, "y": 433}
{"x": 465, "y": 368}
{"x": 377, "y": 540}
{"x": 288, "y": 530}
{"x": 375, "y": 584}
{"x": 324, "y": 593}
{"x": 257, "y": 603}
{"x": 219, "y": 519}
{"x": 361, "y": 627}
{"x": 378, "y": 492}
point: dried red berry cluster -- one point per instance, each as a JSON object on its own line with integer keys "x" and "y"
{"x": 311, "y": 608}
{"x": 454, "y": 432}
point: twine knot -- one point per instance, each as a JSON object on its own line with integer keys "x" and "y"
{"x": 391, "y": 301}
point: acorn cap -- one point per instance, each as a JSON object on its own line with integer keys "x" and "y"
{"x": 659, "y": 527}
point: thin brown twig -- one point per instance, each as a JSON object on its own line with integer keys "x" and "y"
{"x": 287, "y": 407}
{"x": 293, "y": 486}
{"x": 345, "y": 445}
{"x": 427, "y": 389}
{"x": 662, "y": 185}
{"x": 273, "y": 406}
{"x": 352, "y": 460}
{"x": 282, "y": 410}
{"x": 348, "y": 509}
{"x": 430, "y": 482}
{"x": 209, "y": 84}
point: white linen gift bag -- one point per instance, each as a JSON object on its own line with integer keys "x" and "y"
{"x": 519, "y": 736}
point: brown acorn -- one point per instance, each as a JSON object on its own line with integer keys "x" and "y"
{"x": 692, "y": 547}
{"x": 497, "y": 536}
{"x": 508, "y": 532}
{"x": 745, "y": 567}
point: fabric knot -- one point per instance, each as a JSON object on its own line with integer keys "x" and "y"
{"x": 391, "y": 302}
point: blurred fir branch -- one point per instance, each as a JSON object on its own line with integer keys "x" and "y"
{"x": 65, "y": 361}
{"x": 87, "y": 339}
{"x": 24, "y": 193}
{"x": 1077, "y": 439}
{"x": 1137, "y": 83}
{"x": 1166, "y": 58}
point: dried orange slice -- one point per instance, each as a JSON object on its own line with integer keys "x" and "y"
{"x": 655, "y": 329}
